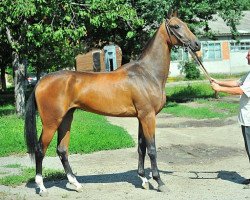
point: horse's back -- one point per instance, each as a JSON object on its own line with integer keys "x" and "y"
{"x": 102, "y": 93}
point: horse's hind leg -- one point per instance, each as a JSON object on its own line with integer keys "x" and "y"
{"x": 62, "y": 148}
{"x": 43, "y": 143}
{"x": 148, "y": 126}
{"x": 142, "y": 153}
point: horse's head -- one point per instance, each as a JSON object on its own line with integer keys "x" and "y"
{"x": 179, "y": 33}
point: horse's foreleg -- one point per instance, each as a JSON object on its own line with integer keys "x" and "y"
{"x": 142, "y": 153}
{"x": 44, "y": 141}
{"x": 151, "y": 148}
{"x": 62, "y": 148}
{"x": 148, "y": 126}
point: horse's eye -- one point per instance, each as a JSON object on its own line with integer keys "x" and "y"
{"x": 176, "y": 26}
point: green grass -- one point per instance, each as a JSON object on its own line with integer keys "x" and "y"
{"x": 13, "y": 166}
{"x": 27, "y": 175}
{"x": 11, "y": 135}
{"x": 89, "y": 133}
{"x": 190, "y": 92}
{"x": 203, "y": 77}
{"x": 203, "y": 95}
{"x": 209, "y": 109}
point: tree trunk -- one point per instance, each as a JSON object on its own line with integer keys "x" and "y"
{"x": 19, "y": 68}
{"x": 3, "y": 80}
{"x": 19, "y": 73}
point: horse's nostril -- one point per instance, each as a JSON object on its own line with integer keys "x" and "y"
{"x": 197, "y": 44}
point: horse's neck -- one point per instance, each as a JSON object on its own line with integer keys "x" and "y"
{"x": 156, "y": 57}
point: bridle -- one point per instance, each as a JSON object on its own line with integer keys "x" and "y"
{"x": 186, "y": 45}
{"x": 172, "y": 31}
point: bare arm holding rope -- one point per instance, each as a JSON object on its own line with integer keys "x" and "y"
{"x": 234, "y": 90}
{"x": 229, "y": 83}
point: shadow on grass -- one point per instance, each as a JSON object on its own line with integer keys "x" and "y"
{"x": 7, "y": 103}
{"x": 190, "y": 93}
{"x": 7, "y": 111}
{"x": 7, "y": 98}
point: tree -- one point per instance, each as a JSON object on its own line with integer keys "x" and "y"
{"x": 47, "y": 34}
{"x": 194, "y": 12}
{"x": 5, "y": 60}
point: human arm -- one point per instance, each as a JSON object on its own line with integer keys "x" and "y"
{"x": 230, "y": 89}
{"x": 230, "y": 83}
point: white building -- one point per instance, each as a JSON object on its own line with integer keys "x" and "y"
{"x": 222, "y": 55}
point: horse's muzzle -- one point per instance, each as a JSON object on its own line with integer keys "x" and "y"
{"x": 195, "y": 45}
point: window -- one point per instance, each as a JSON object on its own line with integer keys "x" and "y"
{"x": 239, "y": 46}
{"x": 178, "y": 54}
{"x": 211, "y": 51}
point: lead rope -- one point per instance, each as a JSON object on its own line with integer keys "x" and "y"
{"x": 195, "y": 56}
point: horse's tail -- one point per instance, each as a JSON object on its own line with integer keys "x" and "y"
{"x": 30, "y": 131}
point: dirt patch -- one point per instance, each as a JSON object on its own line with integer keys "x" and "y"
{"x": 197, "y": 123}
{"x": 194, "y": 154}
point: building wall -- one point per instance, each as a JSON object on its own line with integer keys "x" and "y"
{"x": 84, "y": 62}
{"x": 231, "y": 61}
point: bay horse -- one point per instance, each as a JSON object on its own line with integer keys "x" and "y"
{"x": 136, "y": 89}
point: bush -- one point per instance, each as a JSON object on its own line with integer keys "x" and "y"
{"x": 190, "y": 69}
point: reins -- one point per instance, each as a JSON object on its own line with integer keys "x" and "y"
{"x": 193, "y": 54}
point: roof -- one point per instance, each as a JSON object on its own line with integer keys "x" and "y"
{"x": 218, "y": 25}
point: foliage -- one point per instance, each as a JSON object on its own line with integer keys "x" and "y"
{"x": 86, "y": 134}
{"x": 190, "y": 69}
{"x": 50, "y": 33}
{"x": 195, "y": 13}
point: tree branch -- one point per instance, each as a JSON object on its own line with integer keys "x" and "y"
{"x": 9, "y": 37}
{"x": 79, "y": 4}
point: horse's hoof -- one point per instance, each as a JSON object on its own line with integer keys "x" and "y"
{"x": 145, "y": 185}
{"x": 72, "y": 186}
{"x": 246, "y": 187}
{"x": 79, "y": 189}
{"x": 163, "y": 188}
{"x": 43, "y": 193}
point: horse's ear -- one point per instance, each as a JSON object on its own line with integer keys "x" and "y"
{"x": 170, "y": 13}
{"x": 175, "y": 13}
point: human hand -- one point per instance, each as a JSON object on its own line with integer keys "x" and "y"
{"x": 214, "y": 80}
{"x": 215, "y": 86}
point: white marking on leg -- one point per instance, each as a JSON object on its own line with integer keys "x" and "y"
{"x": 150, "y": 174}
{"x": 39, "y": 182}
{"x": 72, "y": 180}
{"x": 145, "y": 183}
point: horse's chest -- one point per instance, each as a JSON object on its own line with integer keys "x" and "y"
{"x": 158, "y": 99}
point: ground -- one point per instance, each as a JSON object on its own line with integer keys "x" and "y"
{"x": 198, "y": 159}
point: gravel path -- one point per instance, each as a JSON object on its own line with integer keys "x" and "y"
{"x": 196, "y": 162}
